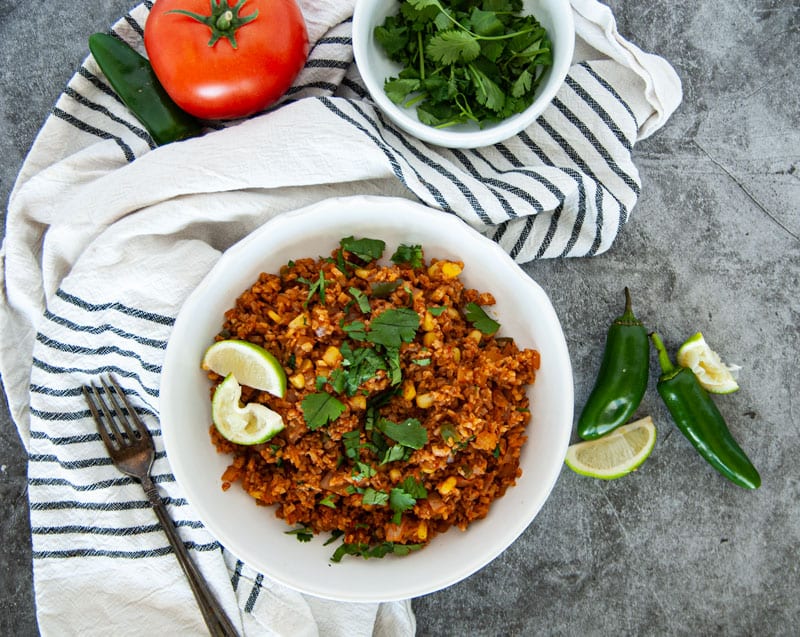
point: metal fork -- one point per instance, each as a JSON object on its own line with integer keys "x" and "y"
{"x": 130, "y": 446}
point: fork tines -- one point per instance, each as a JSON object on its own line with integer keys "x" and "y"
{"x": 115, "y": 437}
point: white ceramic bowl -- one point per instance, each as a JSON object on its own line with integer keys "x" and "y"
{"x": 252, "y": 532}
{"x": 375, "y": 67}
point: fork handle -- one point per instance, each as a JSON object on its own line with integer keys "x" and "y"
{"x": 217, "y": 621}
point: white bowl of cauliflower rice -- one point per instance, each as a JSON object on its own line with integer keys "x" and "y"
{"x": 423, "y": 411}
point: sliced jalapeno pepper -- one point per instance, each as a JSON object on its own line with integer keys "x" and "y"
{"x": 698, "y": 418}
{"x": 622, "y": 379}
{"x": 133, "y": 79}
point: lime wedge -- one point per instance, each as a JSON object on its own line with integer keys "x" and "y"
{"x": 250, "y": 424}
{"x": 251, "y": 364}
{"x": 616, "y": 454}
{"x": 714, "y": 375}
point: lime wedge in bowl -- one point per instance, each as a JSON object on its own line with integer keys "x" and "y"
{"x": 251, "y": 364}
{"x": 250, "y": 424}
{"x": 616, "y": 454}
{"x": 714, "y": 375}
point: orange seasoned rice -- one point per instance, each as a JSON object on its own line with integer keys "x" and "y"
{"x": 466, "y": 388}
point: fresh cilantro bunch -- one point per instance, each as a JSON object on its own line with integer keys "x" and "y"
{"x": 464, "y": 60}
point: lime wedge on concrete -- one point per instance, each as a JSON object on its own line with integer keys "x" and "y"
{"x": 616, "y": 454}
{"x": 714, "y": 375}
{"x": 248, "y": 424}
{"x": 251, "y": 364}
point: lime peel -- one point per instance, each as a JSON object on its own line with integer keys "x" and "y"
{"x": 615, "y": 454}
{"x": 250, "y": 363}
{"x": 250, "y": 424}
{"x": 712, "y": 374}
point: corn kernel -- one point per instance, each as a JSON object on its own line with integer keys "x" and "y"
{"x": 424, "y": 401}
{"x": 451, "y": 269}
{"x": 362, "y": 273}
{"x": 409, "y": 391}
{"x": 305, "y": 365}
{"x": 434, "y": 268}
{"x": 456, "y": 355}
{"x": 359, "y": 401}
{"x": 422, "y": 531}
{"x": 274, "y": 316}
{"x": 429, "y": 339}
{"x": 428, "y": 322}
{"x": 447, "y": 486}
{"x": 452, "y": 312}
{"x": 301, "y": 320}
{"x": 395, "y": 475}
{"x": 475, "y": 335}
{"x": 298, "y": 380}
{"x": 332, "y": 356}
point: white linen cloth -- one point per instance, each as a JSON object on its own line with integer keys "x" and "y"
{"x": 106, "y": 236}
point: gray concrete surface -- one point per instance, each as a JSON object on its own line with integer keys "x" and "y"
{"x": 713, "y": 245}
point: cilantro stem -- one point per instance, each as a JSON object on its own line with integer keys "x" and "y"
{"x": 421, "y": 48}
{"x": 477, "y": 36}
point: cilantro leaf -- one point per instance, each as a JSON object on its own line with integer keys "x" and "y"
{"x": 352, "y": 443}
{"x": 409, "y": 433}
{"x": 365, "y": 249}
{"x": 374, "y": 498}
{"x": 361, "y": 300}
{"x": 379, "y": 550}
{"x": 414, "y": 487}
{"x": 393, "y": 327}
{"x": 410, "y": 254}
{"x": 328, "y": 501}
{"x": 315, "y": 287}
{"x": 356, "y": 330}
{"x": 320, "y": 408}
{"x": 478, "y": 317}
{"x": 399, "y": 501}
{"x": 448, "y": 47}
{"x": 382, "y": 289}
{"x": 303, "y": 534}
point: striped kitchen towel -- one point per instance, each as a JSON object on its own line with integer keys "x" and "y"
{"x": 107, "y": 235}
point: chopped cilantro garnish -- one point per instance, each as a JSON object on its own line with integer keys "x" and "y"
{"x": 404, "y": 496}
{"x": 352, "y": 443}
{"x": 422, "y": 362}
{"x": 480, "y": 319}
{"x": 395, "y": 453}
{"x": 362, "y": 471}
{"x": 374, "y": 498}
{"x": 303, "y": 534}
{"x": 437, "y": 311}
{"x": 361, "y": 299}
{"x": 412, "y": 255}
{"x": 315, "y": 287}
{"x": 328, "y": 501}
{"x": 364, "y": 249}
{"x": 356, "y": 330}
{"x": 379, "y": 550}
{"x": 409, "y": 433}
{"x": 382, "y": 289}
{"x": 321, "y": 408}
{"x": 393, "y": 327}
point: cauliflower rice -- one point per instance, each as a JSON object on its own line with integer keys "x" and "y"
{"x": 386, "y": 458}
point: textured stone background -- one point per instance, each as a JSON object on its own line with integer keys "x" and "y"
{"x": 713, "y": 245}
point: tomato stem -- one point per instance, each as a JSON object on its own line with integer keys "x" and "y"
{"x": 223, "y": 21}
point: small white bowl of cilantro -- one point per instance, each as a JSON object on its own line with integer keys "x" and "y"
{"x": 463, "y": 74}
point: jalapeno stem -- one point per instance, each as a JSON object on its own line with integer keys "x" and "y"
{"x": 663, "y": 356}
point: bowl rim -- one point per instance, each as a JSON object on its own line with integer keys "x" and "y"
{"x": 175, "y": 361}
{"x": 455, "y": 137}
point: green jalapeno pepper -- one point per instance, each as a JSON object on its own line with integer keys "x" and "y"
{"x": 133, "y": 79}
{"x": 698, "y": 418}
{"x": 622, "y": 379}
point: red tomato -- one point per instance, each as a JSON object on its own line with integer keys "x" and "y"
{"x": 218, "y": 81}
